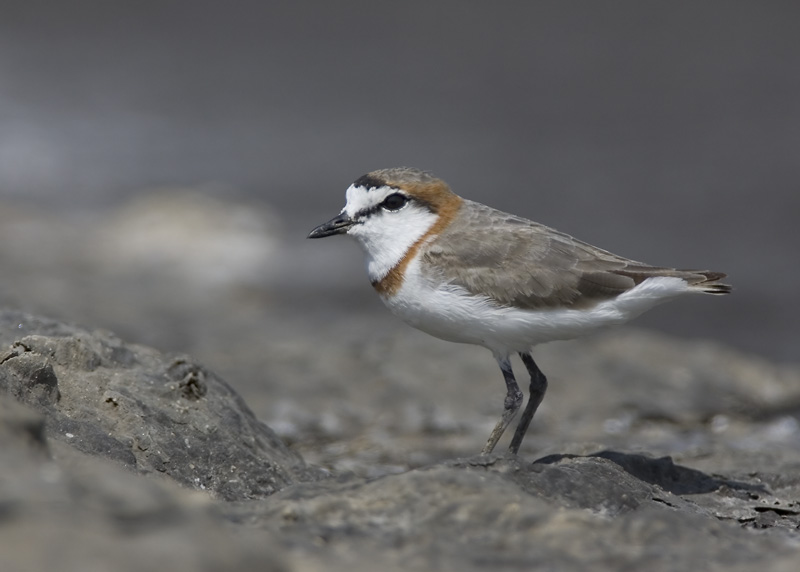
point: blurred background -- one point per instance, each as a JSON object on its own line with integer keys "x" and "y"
{"x": 161, "y": 162}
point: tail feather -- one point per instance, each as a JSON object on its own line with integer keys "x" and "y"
{"x": 705, "y": 281}
{"x": 708, "y": 281}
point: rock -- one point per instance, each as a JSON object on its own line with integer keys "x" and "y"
{"x": 96, "y": 435}
{"x": 22, "y": 428}
{"x": 77, "y": 512}
{"x": 150, "y": 412}
{"x": 573, "y": 513}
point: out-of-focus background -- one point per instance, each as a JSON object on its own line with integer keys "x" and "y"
{"x": 161, "y": 164}
{"x": 155, "y": 154}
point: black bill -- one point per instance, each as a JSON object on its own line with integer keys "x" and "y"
{"x": 339, "y": 224}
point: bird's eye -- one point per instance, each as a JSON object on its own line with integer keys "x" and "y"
{"x": 394, "y": 202}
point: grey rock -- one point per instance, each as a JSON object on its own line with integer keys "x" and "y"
{"x": 575, "y": 513}
{"x": 96, "y": 434}
{"x": 74, "y": 512}
{"x": 150, "y": 412}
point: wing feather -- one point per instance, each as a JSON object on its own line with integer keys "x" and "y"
{"x": 515, "y": 261}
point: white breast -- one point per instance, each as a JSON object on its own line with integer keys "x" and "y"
{"x": 451, "y": 313}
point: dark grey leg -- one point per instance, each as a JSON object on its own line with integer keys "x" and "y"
{"x": 512, "y": 404}
{"x": 538, "y": 387}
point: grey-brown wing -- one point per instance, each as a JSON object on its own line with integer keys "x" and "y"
{"x": 516, "y": 261}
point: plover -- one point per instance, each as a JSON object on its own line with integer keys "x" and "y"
{"x": 464, "y": 272}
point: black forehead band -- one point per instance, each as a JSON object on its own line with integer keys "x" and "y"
{"x": 369, "y": 182}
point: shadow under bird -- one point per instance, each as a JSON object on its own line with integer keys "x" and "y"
{"x": 467, "y": 273}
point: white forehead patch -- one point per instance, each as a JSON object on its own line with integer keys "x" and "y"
{"x": 360, "y": 199}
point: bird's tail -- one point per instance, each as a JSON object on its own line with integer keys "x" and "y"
{"x": 707, "y": 281}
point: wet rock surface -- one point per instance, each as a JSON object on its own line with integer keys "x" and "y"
{"x": 650, "y": 453}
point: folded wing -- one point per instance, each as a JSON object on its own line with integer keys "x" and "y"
{"x": 518, "y": 262}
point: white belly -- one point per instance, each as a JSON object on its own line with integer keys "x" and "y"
{"x": 451, "y": 313}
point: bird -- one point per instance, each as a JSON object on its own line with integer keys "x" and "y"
{"x": 467, "y": 273}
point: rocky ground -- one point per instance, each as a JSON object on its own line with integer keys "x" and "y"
{"x": 649, "y": 453}
{"x": 283, "y": 423}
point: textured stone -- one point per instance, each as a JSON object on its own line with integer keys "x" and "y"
{"x": 95, "y": 433}
{"x": 151, "y": 412}
{"x": 75, "y": 512}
